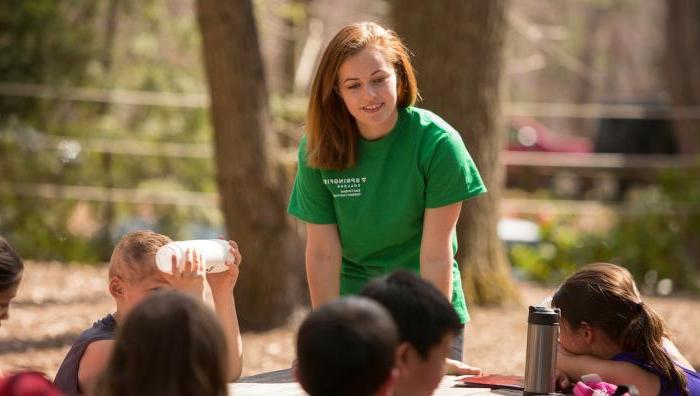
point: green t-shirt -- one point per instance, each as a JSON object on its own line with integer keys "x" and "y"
{"x": 379, "y": 204}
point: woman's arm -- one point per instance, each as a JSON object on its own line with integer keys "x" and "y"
{"x": 436, "y": 246}
{"x": 574, "y": 366}
{"x": 323, "y": 258}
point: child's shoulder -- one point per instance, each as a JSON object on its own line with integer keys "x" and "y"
{"x": 101, "y": 329}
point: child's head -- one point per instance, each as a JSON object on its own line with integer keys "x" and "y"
{"x": 171, "y": 344}
{"x": 364, "y": 73}
{"x": 133, "y": 272}
{"x": 347, "y": 347}
{"x": 427, "y": 323}
{"x": 11, "y": 268}
{"x": 600, "y": 305}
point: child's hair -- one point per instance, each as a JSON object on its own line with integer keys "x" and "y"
{"x": 423, "y": 315}
{"x": 11, "y": 266}
{"x": 605, "y": 296}
{"x": 171, "y": 344}
{"x": 331, "y": 130}
{"x": 134, "y": 256}
{"x": 346, "y": 348}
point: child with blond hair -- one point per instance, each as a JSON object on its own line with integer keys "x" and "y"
{"x": 134, "y": 275}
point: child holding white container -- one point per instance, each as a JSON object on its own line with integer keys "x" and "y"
{"x": 134, "y": 275}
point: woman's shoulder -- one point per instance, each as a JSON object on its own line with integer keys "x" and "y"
{"x": 429, "y": 124}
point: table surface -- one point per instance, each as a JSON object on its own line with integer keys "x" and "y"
{"x": 281, "y": 383}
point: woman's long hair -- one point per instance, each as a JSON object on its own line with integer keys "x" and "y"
{"x": 605, "y": 296}
{"x": 170, "y": 344}
{"x": 332, "y": 134}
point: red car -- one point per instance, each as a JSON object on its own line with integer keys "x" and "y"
{"x": 527, "y": 134}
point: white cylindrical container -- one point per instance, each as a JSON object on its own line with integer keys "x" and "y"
{"x": 214, "y": 252}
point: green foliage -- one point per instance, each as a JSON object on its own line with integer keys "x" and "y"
{"x": 39, "y": 232}
{"x": 38, "y": 44}
{"x": 562, "y": 249}
{"x": 67, "y": 43}
{"x": 659, "y": 233}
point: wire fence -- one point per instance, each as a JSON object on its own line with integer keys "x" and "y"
{"x": 135, "y": 147}
{"x": 201, "y": 101}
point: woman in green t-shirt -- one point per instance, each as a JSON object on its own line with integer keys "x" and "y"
{"x": 380, "y": 183}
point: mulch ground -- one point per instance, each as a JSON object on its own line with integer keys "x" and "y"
{"x": 57, "y": 301}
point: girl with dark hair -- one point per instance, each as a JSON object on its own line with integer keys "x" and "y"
{"x": 170, "y": 344}
{"x": 606, "y": 329}
{"x": 380, "y": 183}
{"x": 11, "y": 268}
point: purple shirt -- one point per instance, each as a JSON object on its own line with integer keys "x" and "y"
{"x": 667, "y": 388}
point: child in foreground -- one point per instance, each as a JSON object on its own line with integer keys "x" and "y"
{"x": 427, "y": 324}
{"x": 346, "y": 348}
{"x": 133, "y": 275}
{"x": 171, "y": 344}
{"x": 606, "y": 329}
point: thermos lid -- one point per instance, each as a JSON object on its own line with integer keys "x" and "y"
{"x": 543, "y": 316}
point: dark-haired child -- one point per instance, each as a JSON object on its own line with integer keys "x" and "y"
{"x": 11, "y": 269}
{"x": 346, "y": 348}
{"x": 427, "y": 324}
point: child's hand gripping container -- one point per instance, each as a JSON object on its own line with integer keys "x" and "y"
{"x": 215, "y": 253}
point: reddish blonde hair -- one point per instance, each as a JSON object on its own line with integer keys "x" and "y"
{"x": 332, "y": 135}
{"x": 134, "y": 257}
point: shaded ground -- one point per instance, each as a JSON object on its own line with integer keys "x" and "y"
{"x": 56, "y": 302}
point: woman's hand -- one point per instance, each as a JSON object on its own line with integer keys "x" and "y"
{"x": 455, "y": 367}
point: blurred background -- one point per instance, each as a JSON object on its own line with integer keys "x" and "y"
{"x": 184, "y": 116}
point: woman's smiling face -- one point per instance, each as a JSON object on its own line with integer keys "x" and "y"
{"x": 367, "y": 84}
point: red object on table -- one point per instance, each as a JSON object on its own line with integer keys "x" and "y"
{"x": 493, "y": 381}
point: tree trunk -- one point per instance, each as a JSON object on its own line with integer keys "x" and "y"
{"x": 683, "y": 68}
{"x": 278, "y": 45}
{"x": 458, "y": 46}
{"x": 253, "y": 186}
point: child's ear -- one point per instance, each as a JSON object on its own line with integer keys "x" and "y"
{"x": 116, "y": 287}
{"x": 587, "y": 332}
{"x": 403, "y": 352}
{"x": 387, "y": 388}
